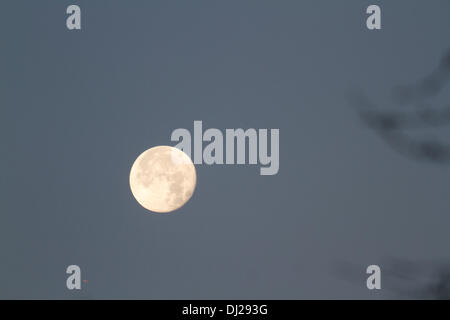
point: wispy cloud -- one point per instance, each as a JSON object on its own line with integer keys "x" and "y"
{"x": 396, "y": 126}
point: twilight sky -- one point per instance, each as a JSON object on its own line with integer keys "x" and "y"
{"x": 78, "y": 107}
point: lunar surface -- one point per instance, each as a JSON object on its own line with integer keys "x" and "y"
{"x": 163, "y": 179}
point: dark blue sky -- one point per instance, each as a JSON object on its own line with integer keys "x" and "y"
{"x": 78, "y": 107}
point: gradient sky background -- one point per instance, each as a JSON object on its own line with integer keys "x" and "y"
{"x": 77, "y": 108}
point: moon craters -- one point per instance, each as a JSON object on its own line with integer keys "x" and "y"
{"x": 162, "y": 179}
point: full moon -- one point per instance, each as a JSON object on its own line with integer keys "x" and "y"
{"x": 162, "y": 179}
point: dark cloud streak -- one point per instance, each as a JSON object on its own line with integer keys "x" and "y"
{"x": 395, "y": 127}
{"x": 427, "y": 87}
{"x": 405, "y": 278}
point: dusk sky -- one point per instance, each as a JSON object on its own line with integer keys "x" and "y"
{"x": 78, "y": 107}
